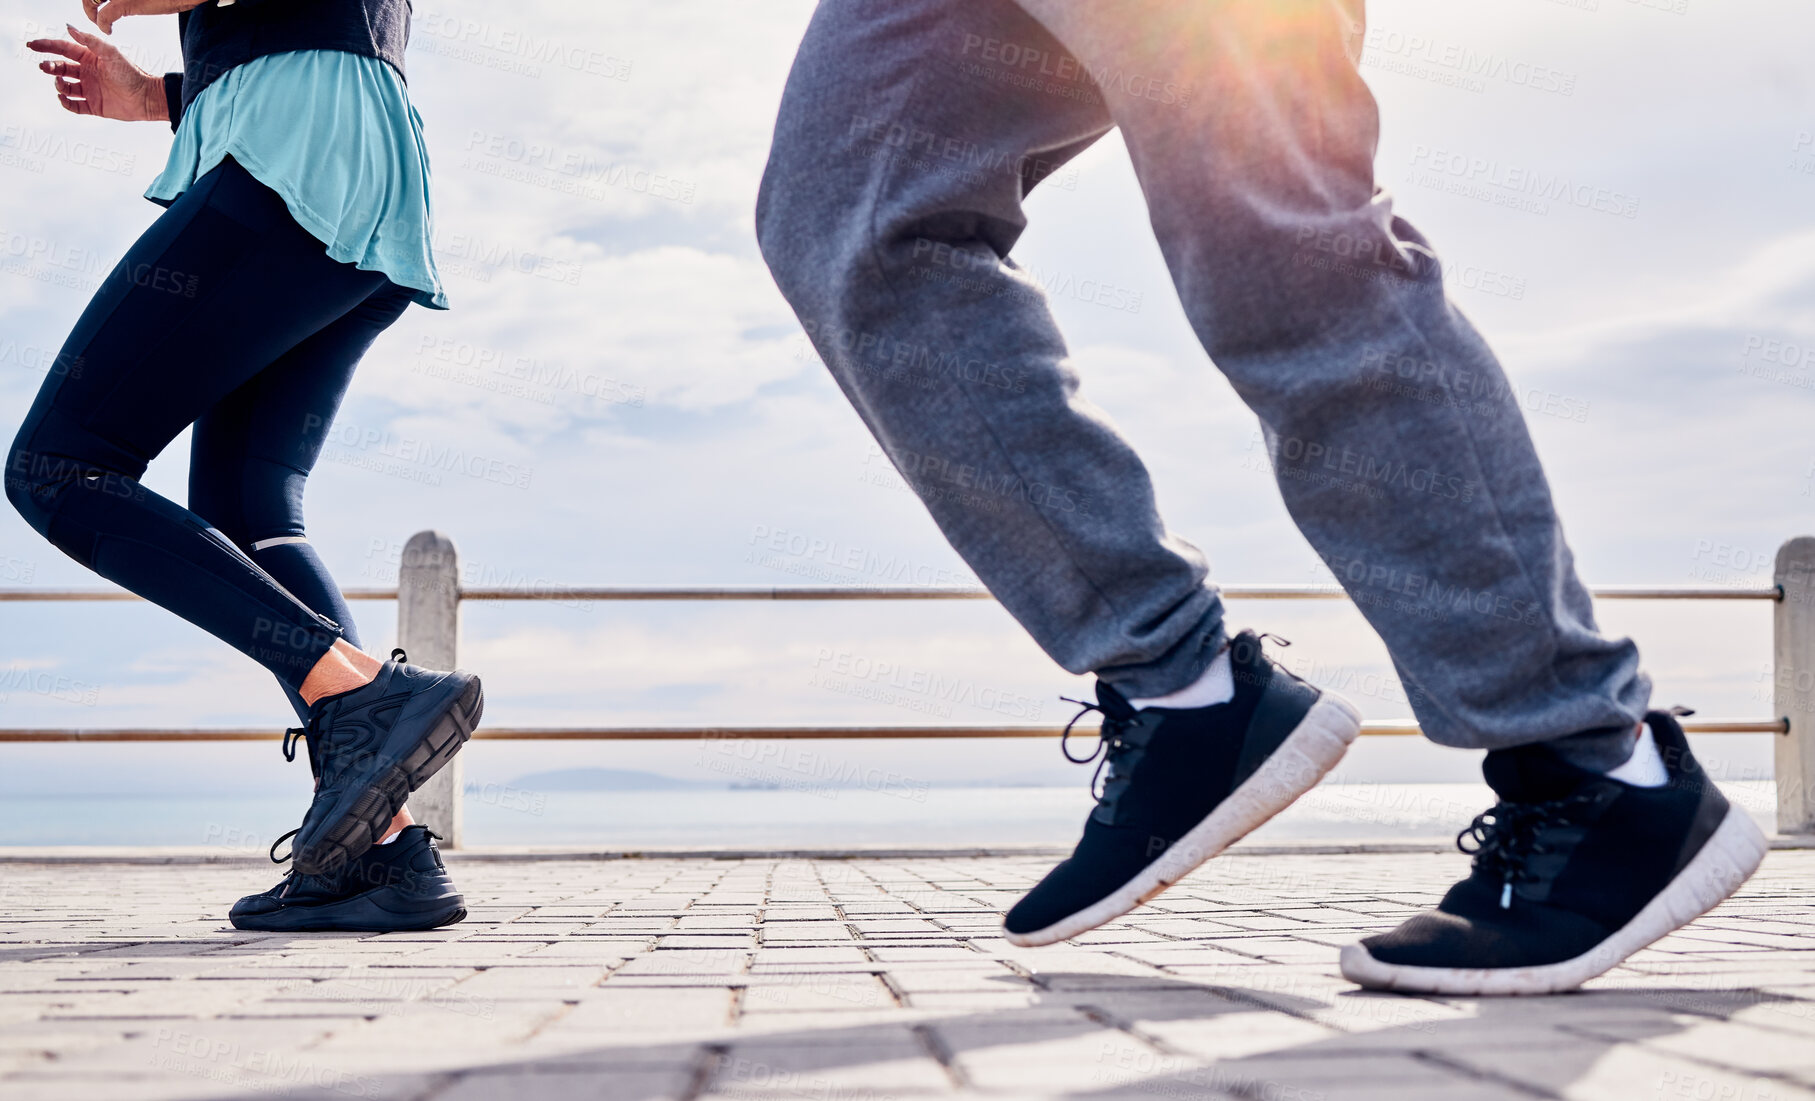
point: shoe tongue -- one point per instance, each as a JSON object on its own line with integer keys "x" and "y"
{"x": 1113, "y": 703}
{"x": 1531, "y": 774}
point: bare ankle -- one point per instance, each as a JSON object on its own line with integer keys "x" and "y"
{"x": 398, "y": 821}
{"x": 343, "y": 668}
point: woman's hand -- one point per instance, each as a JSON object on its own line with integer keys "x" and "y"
{"x": 98, "y": 80}
{"x": 105, "y": 13}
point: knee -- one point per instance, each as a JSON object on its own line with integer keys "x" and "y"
{"x": 819, "y": 214}
{"x": 783, "y": 228}
{"x": 33, "y": 481}
{"x": 214, "y": 497}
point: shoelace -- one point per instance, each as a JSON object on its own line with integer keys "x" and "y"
{"x": 1111, "y": 737}
{"x": 1505, "y": 836}
{"x": 275, "y": 859}
{"x": 290, "y": 877}
{"x": 299, "y": 733}
{"x": 1110, "y": 746}
{"x": 307, "y": 732}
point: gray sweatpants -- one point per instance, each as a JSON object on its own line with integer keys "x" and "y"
{"x": 911, "y": 131}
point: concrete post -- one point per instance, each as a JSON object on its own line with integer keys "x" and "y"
{"x": 428, "y": 628}
{"x": 1793, "y": 675}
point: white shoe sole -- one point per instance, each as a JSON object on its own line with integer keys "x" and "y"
{"x": 1313, "y": 748}
{"x": 1728, "y": 858}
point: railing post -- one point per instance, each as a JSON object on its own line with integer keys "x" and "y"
{"x": 1793, "y": 678}
{"x": 428, "y": 627}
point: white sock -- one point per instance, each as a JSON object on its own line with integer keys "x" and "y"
{"x": 391, "y": 838}
{"x": 1217, "y": 685}
{"x": 1645, "y": 768}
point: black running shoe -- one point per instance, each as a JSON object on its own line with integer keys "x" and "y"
{"x": 1574, "y": 871}
{"x": 1181, "y": 786}
{"x": 392, "y": 888}
{"x": 375, "y": 745}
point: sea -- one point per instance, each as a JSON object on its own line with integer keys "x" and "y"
{"x": 757, "y": 818}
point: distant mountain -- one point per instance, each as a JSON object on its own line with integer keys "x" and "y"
{"x": 606, "y": 779}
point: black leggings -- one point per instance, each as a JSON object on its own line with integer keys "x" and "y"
{"x": 229, "y": 316}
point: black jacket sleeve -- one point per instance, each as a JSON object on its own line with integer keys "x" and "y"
{"x": 173, "y": 97}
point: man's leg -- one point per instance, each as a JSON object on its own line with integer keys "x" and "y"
{"x": 909, "y": 135}
{"x": 1400, "y": 448}
{"x": 1404, "y": 459}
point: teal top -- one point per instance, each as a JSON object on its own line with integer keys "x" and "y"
{"x": 334, "y": 134}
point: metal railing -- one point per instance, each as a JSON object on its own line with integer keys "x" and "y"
{"x": 429, "y": 595}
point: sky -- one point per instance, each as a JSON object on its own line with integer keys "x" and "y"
{"x": 622, "y": 355}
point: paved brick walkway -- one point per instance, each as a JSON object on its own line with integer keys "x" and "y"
{"x": 857, "y": 980}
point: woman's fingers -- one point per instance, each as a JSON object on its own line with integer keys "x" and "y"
{"x": 76, "y": 106}
{"x": 90, "y": 8}
{"x": 110, "y": 12}
{"x": 61, "y": 68}
{"x": 72, "y": 50}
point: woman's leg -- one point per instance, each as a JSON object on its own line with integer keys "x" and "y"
{"x": 252, "y": 453}
{"x": 220, "y": 287}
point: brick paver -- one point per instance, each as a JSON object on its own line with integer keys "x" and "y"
{"x": 858, "y": 980}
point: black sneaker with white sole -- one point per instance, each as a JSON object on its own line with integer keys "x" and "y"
{"x": 1182, "y": 785}
{"x": 373, "y": 746}
{"x": 1574, "y": 871}
{"x": 398, "y": 887}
